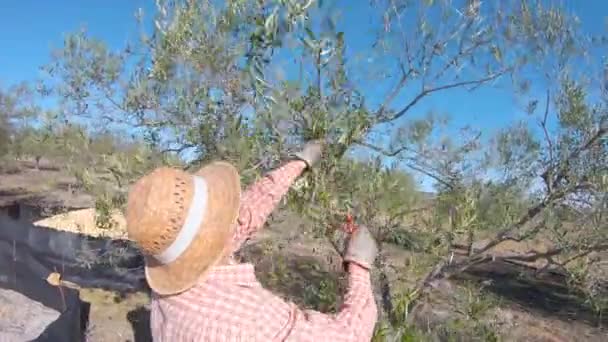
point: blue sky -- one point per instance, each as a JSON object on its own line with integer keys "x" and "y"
{"x": 29, "y": 29}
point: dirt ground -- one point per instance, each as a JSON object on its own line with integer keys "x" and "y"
{"x": 117, "y": 318}
{"x": 298, "y": 267}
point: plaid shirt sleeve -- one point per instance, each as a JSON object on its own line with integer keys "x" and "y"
{"x": 261, "y": 198}
{"x": 354, "y": 322}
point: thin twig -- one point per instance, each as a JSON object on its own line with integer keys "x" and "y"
{"x": 544, "y": 125}
{"x": 561, "y": 171}
{"x": 177, "y": 150}
{"x": 383, "y": 151}
{"x": 428, "y": 91}
{"x": 393, "y": 94}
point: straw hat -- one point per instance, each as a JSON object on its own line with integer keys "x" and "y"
{"x": 183, "y": 222}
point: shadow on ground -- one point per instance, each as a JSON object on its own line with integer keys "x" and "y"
{"x": 139, "y": 318}
{"x": 303, "y": 279}
{"x": 547, "y": 295}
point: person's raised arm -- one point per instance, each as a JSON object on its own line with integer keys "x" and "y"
{"x": 262, "y": 197}
{"x": 358, "y": 315}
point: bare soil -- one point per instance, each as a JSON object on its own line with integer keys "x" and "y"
{"x": 306, "y": 270}
{"x": 117, "y": 318}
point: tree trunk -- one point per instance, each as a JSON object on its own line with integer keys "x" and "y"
{"x": 383, "y": 293}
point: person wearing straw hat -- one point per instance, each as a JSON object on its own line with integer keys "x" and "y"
{"x": 188, "y": 226}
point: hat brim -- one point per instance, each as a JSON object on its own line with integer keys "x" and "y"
{"x": 215, "y": 233}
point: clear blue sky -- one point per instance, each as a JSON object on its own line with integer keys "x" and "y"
{"x": 30, "y": 28}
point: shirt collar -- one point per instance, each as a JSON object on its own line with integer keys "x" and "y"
{"x": 239, "y": 274}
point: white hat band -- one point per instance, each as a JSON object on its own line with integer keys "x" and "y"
{"x": 192, "y": 224}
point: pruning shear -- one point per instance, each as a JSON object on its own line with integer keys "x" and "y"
{"x": 349, "y": 225}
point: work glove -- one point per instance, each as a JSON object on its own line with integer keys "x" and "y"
{"x": 311, "y": 154}
{"x": 361, "y": 248}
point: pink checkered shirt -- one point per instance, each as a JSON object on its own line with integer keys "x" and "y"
{"x": 231, "y": 305}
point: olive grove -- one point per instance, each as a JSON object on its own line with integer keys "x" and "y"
{"x": 207, "y": 81}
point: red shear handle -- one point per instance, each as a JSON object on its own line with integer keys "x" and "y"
{"x": 350, "y": 226}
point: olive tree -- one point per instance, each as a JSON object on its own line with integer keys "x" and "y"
{"x": 17, "y": 105}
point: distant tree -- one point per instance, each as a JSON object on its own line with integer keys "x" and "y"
{"x": 17, "y": 105}
{"x": 27, "y": 143}
{"x": 40, "y": 142}
{"x": 5, "y": 137}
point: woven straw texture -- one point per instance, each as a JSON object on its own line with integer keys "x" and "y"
{"x": 156, "y": 210}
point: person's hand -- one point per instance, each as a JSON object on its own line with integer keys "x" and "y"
{"x": 361, "y": 248}
{"x": 311, "y": 153}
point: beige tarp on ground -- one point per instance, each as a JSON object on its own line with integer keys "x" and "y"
{"x": 83, "y": 221}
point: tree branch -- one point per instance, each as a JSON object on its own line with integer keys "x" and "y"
{"x": 404, "y": 77}
{"x": 561, "y": 171}
{"x": 535, "y": 255}
{"x": 544, "y": 125}
{"x": 382, "y": 150}
{"x": 462, "y": 53}
{"x": 553, "y": 196}
{"x": 319, "y": 79}
{"x": 435, "y": 177}
{"x": 575, "y": 257}
{"x": 411, "y": 165}
{"x": 428, "y": 91}
{"x": 445, "y": 269}
{"x": 177, "y": 150}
